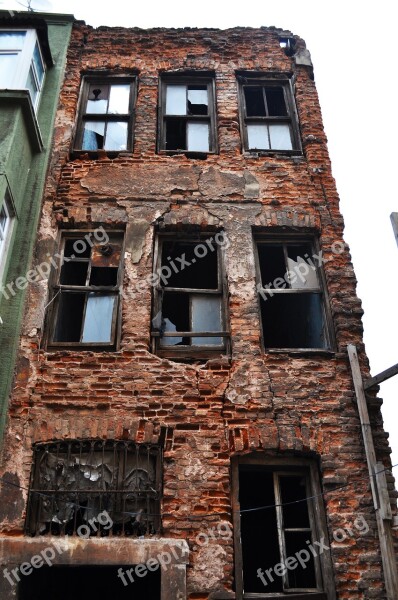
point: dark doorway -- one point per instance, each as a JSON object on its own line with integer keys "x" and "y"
{"x": 88, "y": 583}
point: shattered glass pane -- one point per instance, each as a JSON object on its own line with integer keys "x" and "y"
{"x": 198, "y": 100}
{"x": 303, "y": 274}
{"x": 206, "y": 316}
{"x": 98, "y": 319}
{"x": 93, "y": 135}
{"x": 280, "y": 137}
{"x": 254, "y": 98}
{"x": 119, "y": 99}
{"x": 176, "y": 100}
{"x": 258, "y": 137}
{"x": 116, "y": 136}
{"x": 275, "y": 102}
{"x": 97, "y": 102}
{"x": 198, "y": 137}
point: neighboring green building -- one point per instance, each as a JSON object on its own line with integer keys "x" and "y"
{"x": 33, "y": 49}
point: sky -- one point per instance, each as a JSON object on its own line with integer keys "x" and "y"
{"x": 353, "y": 49}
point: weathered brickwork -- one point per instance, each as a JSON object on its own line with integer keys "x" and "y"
{"x": 269, "y": 403}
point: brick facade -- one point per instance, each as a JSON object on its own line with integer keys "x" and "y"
{"x": 205, "y": 412}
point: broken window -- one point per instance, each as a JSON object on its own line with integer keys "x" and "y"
{"x": 187, "y": 114}
{"x": 289, "y": 521}
{"x": 94, "y": 488}
{"x": 105, "y": 121}
{"x": 292, "y": 303}
{"x": 267, "y": 115}
{"x": 6, "y": 223}
{"x": 189, "y": 314}
{"x": 86, "y": 293}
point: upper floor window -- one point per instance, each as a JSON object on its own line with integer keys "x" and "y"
{"x": 106, "y": 115}
{"x": 189, "y": 304}
{"x": 187, "y": 114}
{"x": 291, "y": 294}
{"x": 6, "y": 222}
{"x": 268, "y": 117}
{"x": 86, "y": 290}
{"x": 94, "y": 488}
{"x": 21, "y": 62}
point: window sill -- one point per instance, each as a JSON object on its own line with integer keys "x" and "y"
{"x": 71, "y": 347}
{"x": 290, "y": 596}
{"x": 187, "y": 153}
{"x": 100, "y": 154}
{"x": 22, "y": 97}
{"x": 272, "y": 153}
{"x": 187, "y": 355}
{"x": 301, "y": 351}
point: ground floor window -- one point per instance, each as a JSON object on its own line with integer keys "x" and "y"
{"x": 83, "y": 583}
{"x": 281, "y": 543}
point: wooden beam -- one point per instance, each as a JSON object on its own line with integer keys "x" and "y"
{"x": 394, "y": 221}
{"x": 381, "y": 377}
{"x": 382, "y": 511}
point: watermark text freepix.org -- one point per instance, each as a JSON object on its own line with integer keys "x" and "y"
{"x": 48, "y": 555}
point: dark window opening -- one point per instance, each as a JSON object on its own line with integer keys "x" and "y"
{"x": 268, "y": 117}
{"x": 284, "y": 525}
{"x": 189, "y": 311}
{"x": 86, "y": 296}
{"x": 105, "y": 120}
{"x": 74, "y": 483}
{"x": 84, "y": 583}
{"x": 292, "y": 305}
{"x": 187, "y": 116}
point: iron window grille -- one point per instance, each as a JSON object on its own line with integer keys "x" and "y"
{"x": 73, "y": 482}
{"x": 187, "y": 114}
{"x": 269, "y": 120}
{"x": 293, "y": 306}
{"x": 189, "y": 309}
{"x": 85, "y": 310}
{"x": 106, "y": 113}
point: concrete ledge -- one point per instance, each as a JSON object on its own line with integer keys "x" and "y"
{"x": 93, "y": 551}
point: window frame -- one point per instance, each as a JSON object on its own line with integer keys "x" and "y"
{"x": 188, "y": 78}
{"x": 6, "y": 232}
{"x": 56, "y": 290}
{"x": 294, "y": 239}
{"x": 118, "y": 449}
{"x": 288, "y": 465}
{"x": 185, "y": 352}
{"x": 82, "y": 116}
{"x": 249, "y": 79}
{"x": 25, "y": 62}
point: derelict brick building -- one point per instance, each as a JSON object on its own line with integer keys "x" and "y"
{"x": 186, "y": 361}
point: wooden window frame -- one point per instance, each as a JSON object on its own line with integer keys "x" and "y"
{"x": 323, "y": 565}
{"x": 191, "y": 78}
{"x": 83, "y": 116}
{"x": 6, "y": 232}
{"x": 258, "y": 80}
{"x": 185, "y": 352}
{"x": 57, "y": 288}
{"x": 294, "y": 239}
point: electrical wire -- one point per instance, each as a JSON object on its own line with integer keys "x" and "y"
{"x": 201, "y": 516}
